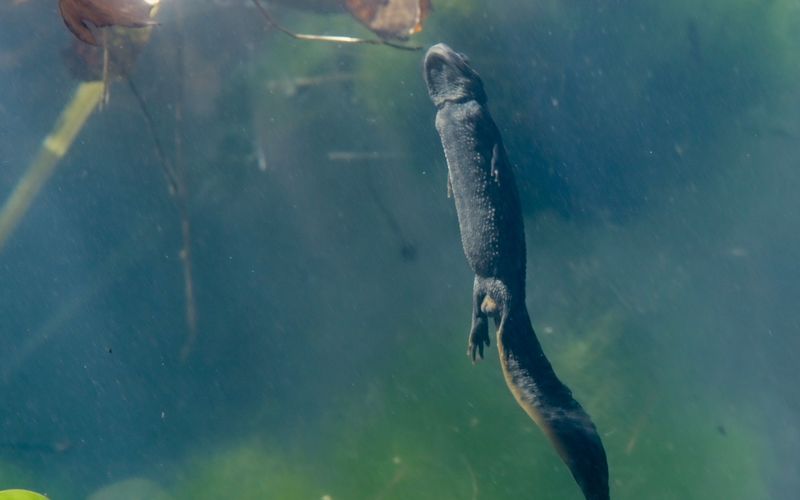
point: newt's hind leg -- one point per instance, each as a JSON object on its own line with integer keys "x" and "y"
{"x": 479, "y": 334}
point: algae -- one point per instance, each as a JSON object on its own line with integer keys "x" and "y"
{"x": 245, "y": 472}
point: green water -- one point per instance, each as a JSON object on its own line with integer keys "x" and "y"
{"x": 656, "y": 152}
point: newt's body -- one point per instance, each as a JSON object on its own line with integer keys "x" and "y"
{"x": 493, "y": 236}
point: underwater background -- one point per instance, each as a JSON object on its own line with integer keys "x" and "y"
{"x": 657, "y": 151}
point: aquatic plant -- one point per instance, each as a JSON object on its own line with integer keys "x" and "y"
{"x": 245, "y": 472}
{"x": 127, "y": 489}
{"x": 13, "y": 475}
{"x": 456, "y": 435}
{"x": 20, "y": 495}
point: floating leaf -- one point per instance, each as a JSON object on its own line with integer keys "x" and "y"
{"x": 128, "y": 13}
{"x": 391, "y": 18}
{"x": 20, "y": 495}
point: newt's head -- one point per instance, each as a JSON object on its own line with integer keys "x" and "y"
{"x": 450, "y": 77}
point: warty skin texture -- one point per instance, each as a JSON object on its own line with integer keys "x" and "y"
{"x": 481, "y": 180}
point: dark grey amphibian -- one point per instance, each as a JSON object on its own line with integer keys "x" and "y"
{"x": 493, "y": 235}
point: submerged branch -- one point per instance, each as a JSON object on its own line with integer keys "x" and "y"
{"x": 329, "y": 38}
{"x": 176, "y": 185}
{"x": 183, "y": 195}
{"x": 166, "y": 166}
{"x": 188, "y": 287}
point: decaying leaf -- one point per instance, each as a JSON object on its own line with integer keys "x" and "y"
{"x": 88, "y": 63}
{"x": 391, "y": 18}
{"x": 100, "y": 13}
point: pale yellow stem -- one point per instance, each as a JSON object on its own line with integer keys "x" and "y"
{"x": 54, "y": 147}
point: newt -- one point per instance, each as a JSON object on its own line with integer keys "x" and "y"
{"x": 487, "y": 202}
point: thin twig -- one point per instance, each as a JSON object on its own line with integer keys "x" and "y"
{"x": 473, "y": 478}
{"x": 176, "y": 184}
{"x": 166, "y": 166}
{"x": 106, "y": 72}
{"x": 639, "y": 426}
{"x": 407, "y": 249}
{"x": 188, "y": 288}
{"x": 330, "y": 38}
{"x": 183, "y": 195}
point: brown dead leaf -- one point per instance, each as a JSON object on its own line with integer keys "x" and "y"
{"x": 391, "y": 18}
{"x": 128, "y": 13}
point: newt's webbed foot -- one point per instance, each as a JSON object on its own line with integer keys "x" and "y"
{"x": 478, "y": 337}
{"x": 479, "y": 334}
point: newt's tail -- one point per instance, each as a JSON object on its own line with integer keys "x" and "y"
{"x": 550, "y": 404}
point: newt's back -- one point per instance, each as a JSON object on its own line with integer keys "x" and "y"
{"x": 480, "y": 175}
